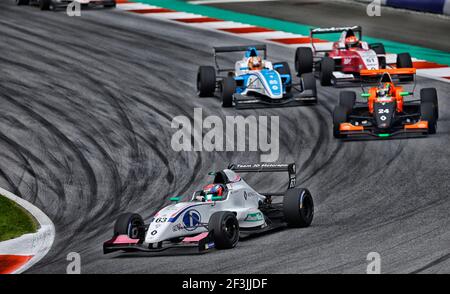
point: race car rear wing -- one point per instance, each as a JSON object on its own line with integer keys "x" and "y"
{"x": 391, "y": 71}
{"x": 267, "y": 167}
{"x": 332, "y": 30}
{"x": 230, "y": 49}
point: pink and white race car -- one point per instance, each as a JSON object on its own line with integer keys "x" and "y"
{"x": 216, "y": 216}
{"x": 343, "y": 61}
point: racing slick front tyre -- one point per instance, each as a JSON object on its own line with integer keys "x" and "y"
{"x": 298, "y": 208}
{"x": 404, "y": 60}
{"x": 228, "y": 89}
{"x": 309, "y": 83}
{"x": 206, "y": 81}
{"x": 339, "y": 116}
{"x": 327, "y": 66}
{"x": 428, "y": 114}
{"x": 283, "y": 69}
{"x": 378, "y": 48}
{"x": 22, "y": 2}
{"x": 304, "y": 60}
{"x": 224, "y": 227}
{"x": 130, "y": 224}
{"x": 430, "y": 95}
{"x": 347, "y": 100}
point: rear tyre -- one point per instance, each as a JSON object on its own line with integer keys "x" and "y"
{"x": 430, "y": 95}
{"x": 304, "y": 60}
{"x": 327, "y": 66}
{"x": 404, "y": 60}
{"x": 378, "y": 48}
{"x": 228, "y": 90}
{"x": 339, "y": 116}
{"x": 298, "y": 208}
{"x": 22, "y": 2}
{"x": 428, "y": 113}
{"x": 206, "y": 81}
{"x": 45, "y": 4}
{"x": 309, "y": 83}
{"x": 224, "y": 227}
{"x": 284, "y": 70}
{"x": 347, "y": 100}
{"x": 130, "y": 224}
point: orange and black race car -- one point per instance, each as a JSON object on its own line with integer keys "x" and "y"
{"x": 385, "y": 112}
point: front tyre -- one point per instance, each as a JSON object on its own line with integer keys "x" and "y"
{"x": 130, "y": 224}
{"x": 224, "y": 227}
{"x": 404, "y": 60}
{"x": 339, "y": 117}
{"x": 347, "y": 100}
{"x": 228, "y": 90}
{"x": 46, "y": 4}
{"x": 428, "y": 114}
{"x": 430, "y": 95}
{"x": 327, "y": 66}
{"x": 298, "y": 207}
{"x": 309, "y": 83}
{"x": 206, "y": 81}
{"x": 304, "y": 60}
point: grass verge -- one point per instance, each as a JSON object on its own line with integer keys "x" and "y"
{"x": 14, "y": 220}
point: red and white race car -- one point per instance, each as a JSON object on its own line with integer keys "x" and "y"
{"x": 343, "y": 62}
{"x": 56, "y": 4}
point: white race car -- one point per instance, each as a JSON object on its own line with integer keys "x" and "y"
{"x": 216, "y": 216}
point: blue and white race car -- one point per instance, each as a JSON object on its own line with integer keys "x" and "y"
{"x": 254, "y": 81}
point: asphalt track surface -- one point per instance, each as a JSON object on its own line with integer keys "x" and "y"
{"x": 426, "y": 29}
{"x": 85, "y": 134}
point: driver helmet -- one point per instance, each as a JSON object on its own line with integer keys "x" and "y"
{"x": 255, "y": 63}
{"x": 352, "y": 42}
{"x": 384, "y": 91}
{"x": 213, "y": 190}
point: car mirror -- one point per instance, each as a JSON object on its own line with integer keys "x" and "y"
{"x": 403, "y": 94}
{"x": 175, "y": 199}
{"x": 217, "y": 198}
{"x": 365, "y": 95}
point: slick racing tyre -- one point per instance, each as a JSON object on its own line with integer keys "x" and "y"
{"x": 130, "y": 224}
{"x": 404, "y": 60}
{"x": 304, "y": 60}
{"x": 206, "y": 81}
{"x": 430, "y": 95}
{"x": 327, "y": 66}
{"x": 347, "y": 100}
{"x": 378, "y": 48}
{"x": 228, "y": 90}
{"x": 309, "y": 83}
{"x": 22, "y": 2}
{"x": 428, "y": 114}
{"x": 283, "y": 69}
{"x": 298, "y": 208}
{"x": 224, "y": 227}
{"x": 339, "y": 116}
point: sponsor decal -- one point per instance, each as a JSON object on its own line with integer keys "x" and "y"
{"x": 254, "y": 217}
{"x": 191, "y": 219}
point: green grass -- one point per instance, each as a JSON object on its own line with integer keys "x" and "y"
{"x": 14, "y": 220}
